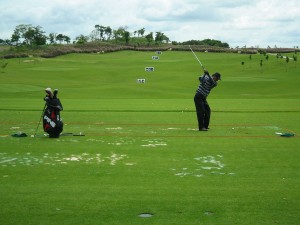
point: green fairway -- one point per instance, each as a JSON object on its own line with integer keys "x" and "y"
{"x": 142, "y": 160}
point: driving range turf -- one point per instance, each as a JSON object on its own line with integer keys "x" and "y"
{"x": 142, "y": 160}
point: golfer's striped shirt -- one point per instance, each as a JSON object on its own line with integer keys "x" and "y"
{"x": 206, "y": 84}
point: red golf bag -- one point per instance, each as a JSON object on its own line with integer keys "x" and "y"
{"x": 52, "y": 122}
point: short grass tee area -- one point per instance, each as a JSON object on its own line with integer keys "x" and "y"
{"x": 142, "y": 159}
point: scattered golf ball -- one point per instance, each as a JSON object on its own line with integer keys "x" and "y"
{"x": 232, "y": 128}
{"x": 32, "y": 135}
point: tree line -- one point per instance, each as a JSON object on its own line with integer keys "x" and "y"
{"x": 209, "y": 42}
{"x": 29, "y": 35}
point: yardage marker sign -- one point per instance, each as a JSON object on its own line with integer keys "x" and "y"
{"x": 141, "y": 81}
{"x": 149, "y": 69}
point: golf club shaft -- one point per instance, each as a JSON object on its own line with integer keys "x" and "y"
{"x": 197, "y": 58}
{"x": 40, "y": 120}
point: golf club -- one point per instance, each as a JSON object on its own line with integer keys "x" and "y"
{"x": 40, "y": 120}
{"x": 197, "y": 58}
{"x": 72, "y": 134}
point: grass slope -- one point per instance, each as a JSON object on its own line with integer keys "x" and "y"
{"x": 141, "y": 152}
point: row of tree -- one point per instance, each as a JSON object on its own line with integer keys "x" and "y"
{"x": 210, "y": 42}
{"x": 26, "y": 34}
{"x": 103, "y": 33}
{"x": 29, "y": 35}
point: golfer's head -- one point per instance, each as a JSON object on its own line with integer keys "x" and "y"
{"x": 216, "y": 76}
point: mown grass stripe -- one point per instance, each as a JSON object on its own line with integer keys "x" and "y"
{"x": 158, "y": 111}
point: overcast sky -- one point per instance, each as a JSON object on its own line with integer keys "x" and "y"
{"x": 238, "y": 22}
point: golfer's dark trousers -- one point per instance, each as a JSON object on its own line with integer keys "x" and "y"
{"x": 203, "y": 111}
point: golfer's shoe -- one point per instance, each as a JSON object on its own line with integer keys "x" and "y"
{"x": 203, "y": 129}
{"x": 49, "y": 92}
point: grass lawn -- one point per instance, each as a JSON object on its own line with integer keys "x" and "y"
{"x": 141, "y": 154}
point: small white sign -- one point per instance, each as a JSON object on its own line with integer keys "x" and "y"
{"x": 141, "y": 81}
{"x": 158, "y": 52}
{"x": 155, "y": 57}
{"x": 149, "y": 69}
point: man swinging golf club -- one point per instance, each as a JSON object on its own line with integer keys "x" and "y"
{"x": 207, "y": 83}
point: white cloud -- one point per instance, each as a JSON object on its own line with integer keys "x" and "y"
{"x": 244, "y": 22}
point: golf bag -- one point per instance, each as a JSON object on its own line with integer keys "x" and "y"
{"x": 52, "y": 122}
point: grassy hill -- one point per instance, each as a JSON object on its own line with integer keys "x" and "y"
{"x": 142, "y": 154}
